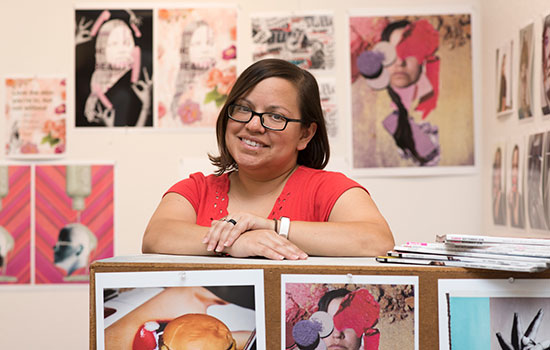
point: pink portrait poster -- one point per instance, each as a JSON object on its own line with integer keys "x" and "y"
{"x": 35, "y": 112}
{"x": 15, "y": 224}
{"x": 74, "y": 220}
{"x": 196, "y": 60}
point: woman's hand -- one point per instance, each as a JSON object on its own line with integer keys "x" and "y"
{"x": 266, "y": 243}
{"x": 224, "y": 232}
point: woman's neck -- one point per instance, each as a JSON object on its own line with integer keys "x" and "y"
{"x": 246, "y": 184}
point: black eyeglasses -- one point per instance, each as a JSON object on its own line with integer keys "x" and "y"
{"x": 269, "y": 120}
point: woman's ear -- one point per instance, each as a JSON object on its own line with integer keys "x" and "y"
{"x": 306, "y": 135}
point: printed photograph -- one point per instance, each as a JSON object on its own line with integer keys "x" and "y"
{"x": 545, "y": 69}
{"x": 498, "y": 194}
{"x": 494, "y": 314}
{"x": 535, "y": 206}
{"x": 15, "y": 224}
{"x": 526, "y": 60}
{"x": 515, "y": 195}
{"x": 113, "y": 67}
{"x": 180, "y": 310}
{"x": 504, "y": 78}
{"x": 409, "y": 74}
{"x": 331, "y": 312}
{"x": 74, "y": 220}
{"x": 197, "y": 64}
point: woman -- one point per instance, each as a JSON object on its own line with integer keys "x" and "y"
{"x": 269, "y": 196}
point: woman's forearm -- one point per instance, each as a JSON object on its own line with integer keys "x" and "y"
{"x": 169, "y": 236}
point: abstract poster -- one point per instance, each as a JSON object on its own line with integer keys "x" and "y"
{"x": 180, "y": 310}
{"x": 526, "y": 61}
{"x": 494, "y": 314}
{"x": 15, "y": 224}
{"x": 74, "y": 220}
{"x": 113, "y": 67}
{"x": 196, "y": 60}
{"x": 504, "y": 78}
{"x": 411, "y": 93}
{"x": 35, "y": 117}
{"x": 342, "y": 312}
{"x": 306, "y": 40}
{"x": 545, "y": 69}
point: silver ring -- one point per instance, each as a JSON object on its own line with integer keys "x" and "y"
{"x": 232, "y": 221}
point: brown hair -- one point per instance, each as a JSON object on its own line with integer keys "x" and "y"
{"x": 317, "y": 152}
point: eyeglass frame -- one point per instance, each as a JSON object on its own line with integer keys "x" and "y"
{"x": 261, "y": 116}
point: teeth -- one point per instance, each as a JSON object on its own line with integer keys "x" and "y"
{"x": 251, "y": 143}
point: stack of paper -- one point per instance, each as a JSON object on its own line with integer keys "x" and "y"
{"x": 482, "y": 252}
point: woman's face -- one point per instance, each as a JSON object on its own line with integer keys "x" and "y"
{"x": 404, "y": 71}
{"x": 201, "y": 50}
{"x": 345, "y": 340}
{"x": 256, "y": 148}
{"x": 120, "y": 44}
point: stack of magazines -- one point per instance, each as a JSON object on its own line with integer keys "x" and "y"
{"x": 481, "y": 252}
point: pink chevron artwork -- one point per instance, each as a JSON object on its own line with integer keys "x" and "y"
{"x": 74, "y": 220}
{"x": 15, "y": 224}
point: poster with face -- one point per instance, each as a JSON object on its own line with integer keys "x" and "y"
{"x": 545, "y": 69}
{"x": 494, "y": 314}
{"x": 526, "y": 60}
{"x": 339, "y": 312}
{"x": 74, "y": 220}
{"x": 411, "y": 93}
{"x": 35, "y": 114}
{"x": 15, "y": 224}
{"x": 535, "y": 206}
{"x": 212, "y": 309}
{"x": 504, "y": 78}
{"x": 306, "y": 40}
{"x": 498, "y": 193}
{"x": 196, "y": 60}
{"x": 113, "y": 67}
{"x": 515, "y": 197}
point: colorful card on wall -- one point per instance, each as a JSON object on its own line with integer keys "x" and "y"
{"x": 483, "y": 314}
{"x": 113, "y": 67}
{"x": 35, "y": 117}
{"x": 15, "y": 224}
{"x": 412, "y": 101}
{"x": 306, "y": 40}
{"x": 180, "y": 309}
{"x": 196, "y": 60}
{"x": 360, "y": 312}
{"x": 74, "y": 220}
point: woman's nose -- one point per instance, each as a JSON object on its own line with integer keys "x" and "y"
{"x": 255, "y": 124}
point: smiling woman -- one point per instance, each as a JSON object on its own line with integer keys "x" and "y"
{"x": 269, "y": 196}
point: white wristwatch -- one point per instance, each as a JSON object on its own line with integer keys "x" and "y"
{"x": 284, "y": 227}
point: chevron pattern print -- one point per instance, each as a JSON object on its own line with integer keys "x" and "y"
{"x": 15, "y": 219}
{"x": 54, "y": 213}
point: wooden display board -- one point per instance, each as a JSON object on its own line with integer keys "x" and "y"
{"x": 428, "y": 277}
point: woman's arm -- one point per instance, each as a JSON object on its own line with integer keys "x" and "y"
{"x": 173, "y": 230}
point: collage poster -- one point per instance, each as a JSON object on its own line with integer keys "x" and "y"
{"x": 411, "y": 93}
{"x": 35, "y": 117}
{"x": 196, "y": 55}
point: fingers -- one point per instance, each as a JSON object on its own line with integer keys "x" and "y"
{"x": 222, "y": 234}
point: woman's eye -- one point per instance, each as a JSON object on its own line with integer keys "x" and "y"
{"x": 276, "y": 117}
{"x": 242, "y": 109}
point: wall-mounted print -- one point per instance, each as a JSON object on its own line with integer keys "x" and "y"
{"x": 196, "y": 64}
{"x": 546, "y": 178}
{"x": 113, "y": 67}
{"x": 74, "y": 220}
{"x": 545, "y": 69}
{"x": 535, "y": 206}
{"x": 35, "y": 117}
{"x": 515, "y": 195}
{"x": 15, "y": 224}
{"x": 306, "y": 40}
{"x": 327, "y": 91}
{"x": 213, "y": 309}
{"x": 504, "y": 82}
{"x": 349, "y": 312}
{"x": 494, "y": 314}
{"x": 412, "y": 98}
{"x": 525, "y": 79}
{"x": 498, "y": 192}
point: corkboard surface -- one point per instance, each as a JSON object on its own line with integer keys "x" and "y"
{"x": 428, "y": 277}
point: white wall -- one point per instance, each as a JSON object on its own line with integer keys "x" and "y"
{"x": 36, "y": 39}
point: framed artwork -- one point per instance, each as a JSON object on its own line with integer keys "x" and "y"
{"x": 74, "y": 220}
{"x": 180, "y": 309}
{"x": 351, "y": 312}
{"x": 15, "y": 224}
{"x": 35, "y": 112}
{"x": 113, "y": 67}
{"x": 409, "y": 72}
{"x": 494, "y": 314}
{"x": 196, "y": 56}
{"x": 525, "y": 79}
{"x": 504, "y": 83}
